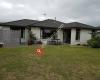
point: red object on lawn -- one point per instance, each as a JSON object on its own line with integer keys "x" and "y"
{"x": 39, "y": 52}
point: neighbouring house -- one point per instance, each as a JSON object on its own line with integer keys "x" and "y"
{"x": 72, "y": 33}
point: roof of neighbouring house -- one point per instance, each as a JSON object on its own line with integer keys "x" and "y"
{"x": 19, "y": 23}
{"x": 54, "y": 24}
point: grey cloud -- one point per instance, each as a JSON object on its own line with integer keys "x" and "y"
{"x": 86, "y": 11}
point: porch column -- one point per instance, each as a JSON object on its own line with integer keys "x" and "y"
{"x": 26, "y": 35}
{"x": 36, "y": 32}
{"x": 41, "y": 34}
{"x": 60, "y": 35}
{"x": 73, "y": 36}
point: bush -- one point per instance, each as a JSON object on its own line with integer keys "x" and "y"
{"x": 94, "y": 42}
{"x": 32, "y": 38}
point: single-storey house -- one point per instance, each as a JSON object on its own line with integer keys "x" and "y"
{"x": 71, "y": 33}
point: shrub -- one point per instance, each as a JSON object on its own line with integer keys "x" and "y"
{"x": 94, "y": 42}
{"x": 32, "y": 38}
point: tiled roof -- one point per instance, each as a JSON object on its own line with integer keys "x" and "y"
{"x": 20, "y": 23}
{"x": 54, "y": 24}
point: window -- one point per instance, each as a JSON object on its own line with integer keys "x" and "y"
{"x": 22, "y": 33}
{"x": 46, "y": 33}
{"x": 77, "y": 34}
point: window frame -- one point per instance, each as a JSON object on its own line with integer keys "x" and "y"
{"x": 45, "y": 35}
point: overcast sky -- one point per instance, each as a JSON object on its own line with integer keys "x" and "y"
{"x": 85, "y": 11}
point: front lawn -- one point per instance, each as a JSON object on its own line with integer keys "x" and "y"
{"x": 58, "y": 63}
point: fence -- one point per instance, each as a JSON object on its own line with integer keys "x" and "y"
{"x": 10, "y": 38}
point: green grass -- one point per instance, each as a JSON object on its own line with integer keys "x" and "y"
{"x": 58, "y": 63}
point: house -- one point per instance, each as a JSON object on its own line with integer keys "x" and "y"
{"x": 72, "y": 33}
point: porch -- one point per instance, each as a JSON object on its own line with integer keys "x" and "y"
{"x": 65, "y": 36}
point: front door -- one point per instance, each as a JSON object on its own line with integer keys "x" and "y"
{"x": 67, "y": 36}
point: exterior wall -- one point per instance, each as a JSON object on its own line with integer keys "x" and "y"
{"x": 84, "y": 36}
{"x": 9, "y": 37}
{"x": 0, "y": 27}
{"x": 26, "y": 34}
{"x": 25, "y": 39}
{"x": 73, "y": 36}
{"x": 60, "y": 35}
{"x": 4, "y": 28}
{"x": 36, "y": 32}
